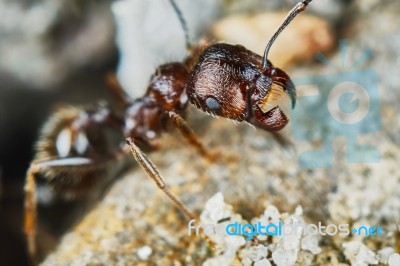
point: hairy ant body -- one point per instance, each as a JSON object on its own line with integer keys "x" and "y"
{"x": 79, "y": 148}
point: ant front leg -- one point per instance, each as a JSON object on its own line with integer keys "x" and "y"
{"x": 189, "y": 134}
{"x": 151, "y": 170}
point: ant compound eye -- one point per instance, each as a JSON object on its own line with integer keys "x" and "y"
{"x": 212, "y": 104}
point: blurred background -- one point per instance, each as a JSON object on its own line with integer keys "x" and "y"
{"x": 54, "y": 53}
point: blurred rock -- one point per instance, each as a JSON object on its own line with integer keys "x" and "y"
{"x": 382, "y": 20}
{"x": 43, "y": 42}
{"x": 330, "y": 10}
{"x": 300, "y": 41}
{"x": 149, "y": 34}
{"x": 50, "y": 52}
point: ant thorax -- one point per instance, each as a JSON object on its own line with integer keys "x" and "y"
{"x": 146, "y": 117}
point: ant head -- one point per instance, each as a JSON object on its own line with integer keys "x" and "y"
{"x": 235, "y": 83}
{"x": 229, "y": 81}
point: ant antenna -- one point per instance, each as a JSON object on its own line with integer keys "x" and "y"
{"x": 183, "y": 24}
{"x": 300, "y": 7}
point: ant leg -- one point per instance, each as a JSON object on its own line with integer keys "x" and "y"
{"x": 30, "y": 222}
{"x": 119, "y": 97}
{"x": 189, "y": 134}
{"x": 83, "y": 169}
{"x": 151, "y": 170}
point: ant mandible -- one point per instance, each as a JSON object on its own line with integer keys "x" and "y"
{"x": 81, "y": 148}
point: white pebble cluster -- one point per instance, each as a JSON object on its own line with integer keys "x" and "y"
{"x": 215, "y": 210}
{"x": 394, "y": 260}
{"x": 360, "y": 255}
{"x": 287, "y": 250}
{"x": 283, "y": 250}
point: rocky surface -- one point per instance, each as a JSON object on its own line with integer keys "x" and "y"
{"x": 255, "y": 172}
{"x": 258, "y": 177}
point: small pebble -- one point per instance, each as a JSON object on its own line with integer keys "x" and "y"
{"x": 394, "y": 260}
{"x": 384, "y": 254}
{"x": 263, "y": 262}
{"x": 144, "y": 252}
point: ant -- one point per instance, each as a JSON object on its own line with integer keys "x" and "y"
{"x": 80, "y": 149}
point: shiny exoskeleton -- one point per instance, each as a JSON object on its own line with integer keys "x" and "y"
{"x": 79, "y": 149}
{"x": 229, "y": 81}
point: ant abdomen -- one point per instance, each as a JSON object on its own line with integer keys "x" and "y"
{"x": 69, "y": 147}
{"x": 229, "y": 81}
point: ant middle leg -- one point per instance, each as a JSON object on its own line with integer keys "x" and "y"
{"x": 189, "y": 134}
{"x": 151, "y": 170}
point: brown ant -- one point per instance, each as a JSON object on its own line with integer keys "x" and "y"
{"x": 81, "y": 148}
